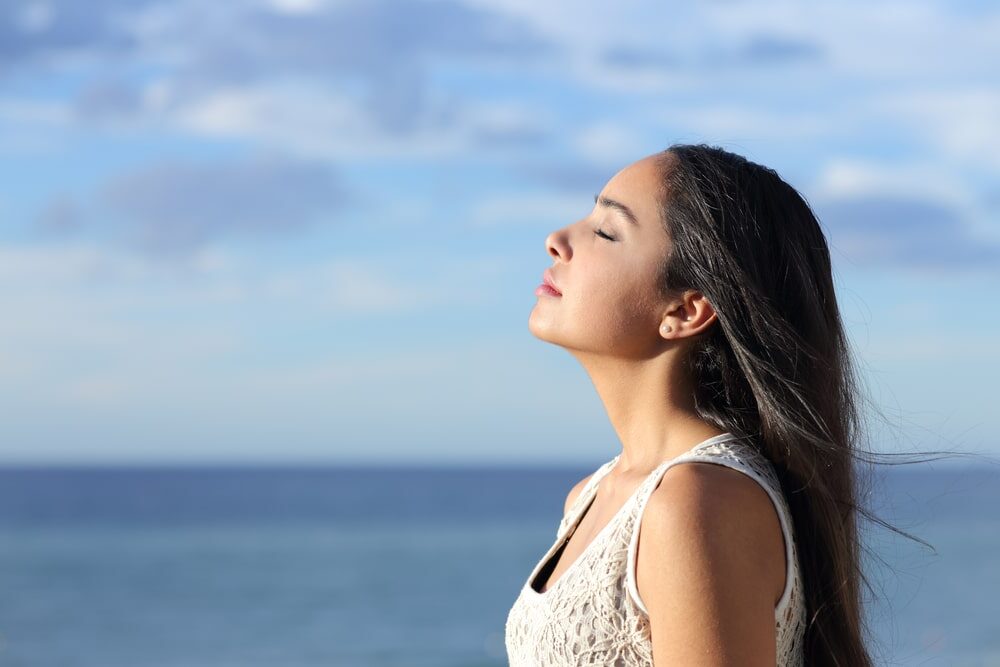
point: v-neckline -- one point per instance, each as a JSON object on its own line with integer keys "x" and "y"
{"x": 571, "y": 529}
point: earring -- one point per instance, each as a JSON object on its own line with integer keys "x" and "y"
{"x": 665, "y": 329}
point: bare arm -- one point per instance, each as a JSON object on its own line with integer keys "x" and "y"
{"x": 710, "y": 568}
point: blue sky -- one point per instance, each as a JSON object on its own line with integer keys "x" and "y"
{"x": 307, "y": 231}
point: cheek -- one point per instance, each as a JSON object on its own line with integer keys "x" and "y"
{"x": 616, "y": 306}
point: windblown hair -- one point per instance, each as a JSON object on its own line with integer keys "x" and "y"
{"x": 777, "y": 367}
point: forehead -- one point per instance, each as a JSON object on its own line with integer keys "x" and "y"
{"x": 638, "y": 186}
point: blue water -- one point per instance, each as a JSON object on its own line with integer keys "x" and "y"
{"x": 412, "y": 567}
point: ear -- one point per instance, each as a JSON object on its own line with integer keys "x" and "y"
{"x": 690, "y": 315}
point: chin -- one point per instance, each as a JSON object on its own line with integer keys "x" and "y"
{"x": 540, "y": 327}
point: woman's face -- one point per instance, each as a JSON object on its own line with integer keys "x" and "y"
{"x": 606, "y": 265}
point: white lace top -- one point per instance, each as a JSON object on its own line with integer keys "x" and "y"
{"x": 592, "y": 613}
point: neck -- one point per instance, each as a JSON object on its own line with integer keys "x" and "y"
{"x": 651, "y": 407}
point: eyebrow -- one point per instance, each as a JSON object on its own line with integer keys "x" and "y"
{"x": 618, "y": 206}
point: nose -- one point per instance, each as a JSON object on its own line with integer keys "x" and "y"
{"x": 555, "y": 244}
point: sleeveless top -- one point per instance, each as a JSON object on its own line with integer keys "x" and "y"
{"x": 592, "y": 614}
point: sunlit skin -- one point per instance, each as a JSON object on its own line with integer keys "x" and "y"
{"x": 710, "y": 564}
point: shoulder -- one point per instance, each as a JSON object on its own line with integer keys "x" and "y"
{"x": 714, "y": 492}
{"x": 710, "y": 566}
{"x": 575, "y": 492}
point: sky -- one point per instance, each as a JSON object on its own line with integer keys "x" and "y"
{"x": 310, "y": 232}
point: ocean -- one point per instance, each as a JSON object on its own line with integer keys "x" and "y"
{"x": 414, "y": 567}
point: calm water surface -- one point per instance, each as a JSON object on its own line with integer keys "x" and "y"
{"x": 188, "y": 567}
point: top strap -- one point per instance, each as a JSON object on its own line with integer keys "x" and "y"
{"x": 748, "y": 460}
{"x": 581, "y": 500}
{"x": 584, "y": 497}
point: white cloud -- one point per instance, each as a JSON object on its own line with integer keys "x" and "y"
{"x": 608, "y": 143}
{"x": 896, "y": 41}
{"x": 297, "y": 6}
{"x": 307, "y": 120}
{"x": 35, "y": 17}
{"x": 23, "y": 110}
{"x": 140, "y": 362}
{"x": 528, "y": 209}
{"x": 347, "y": 286}
{"x": 734, "y": 122}
{"x": 847, "y": 178}
{"x": 32, "y": 127}
{"x": 960, "y": 122}
{"x": 93, "y": 325}
{"x": 40, "y": 284}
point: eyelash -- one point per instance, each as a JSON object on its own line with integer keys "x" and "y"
{"x": 603, "y": 235}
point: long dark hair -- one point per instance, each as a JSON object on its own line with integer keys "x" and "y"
{"x": 778, "y": 368}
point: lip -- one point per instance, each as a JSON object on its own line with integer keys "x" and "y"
{"x": 548, "y": 280}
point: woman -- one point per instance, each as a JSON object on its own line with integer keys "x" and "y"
{"x": 698, "y": 296}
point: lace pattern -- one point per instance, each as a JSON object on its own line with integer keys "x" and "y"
{"x": 592, "y": 614}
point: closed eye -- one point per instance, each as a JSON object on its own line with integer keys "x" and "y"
{"x": 603, "y": 235}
